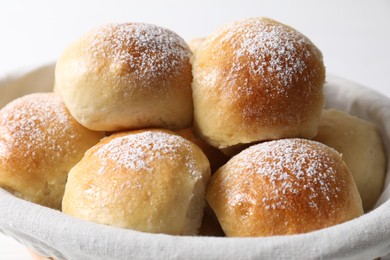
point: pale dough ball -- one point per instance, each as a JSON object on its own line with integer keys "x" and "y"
{"x": 361, "y": 146}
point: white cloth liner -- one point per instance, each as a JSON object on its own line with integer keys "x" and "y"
{"x": 52, "y": 233}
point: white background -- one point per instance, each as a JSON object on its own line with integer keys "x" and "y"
{"x": 353, "y": 35}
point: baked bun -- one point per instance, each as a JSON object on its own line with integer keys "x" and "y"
{"x": 361, "y": 146}
{"x": 255, "y": 80}
{"x": 39, "y": 143}
{"x": 214, "y": 155}
{"x": 147, "y": 180}
{"x": 283, "y": 187}
{"x": 126, "y": 76}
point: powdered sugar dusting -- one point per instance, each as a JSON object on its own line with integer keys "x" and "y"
{"x": 140, "y": 151}
{"x": 292, "y": 167}
{"x": 147, "y": 52}
{"x": 264, "y": 49}
{"x": 33, "y": 126}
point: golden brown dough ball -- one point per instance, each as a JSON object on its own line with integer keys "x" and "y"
{"x": 254, "y": 80}
{"x": 39, "y": 143}
{"x": 126, "y": 76}
{"x": 361, "y": 146}
{"x": 146, "y": 180}
{"x": 281, "y": 187}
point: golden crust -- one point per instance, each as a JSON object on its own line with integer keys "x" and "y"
{"x": 126, "y": 76}
{"x": 256, "y": 80}
{"x": 147, "y": 180}
{"x": 283, "y": 187}
{"x": 39, "y": 143}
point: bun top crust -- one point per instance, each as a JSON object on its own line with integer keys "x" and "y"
{"x": 282, "y": 187}
{"x": 258, "y": 75}
{"x": 137, "y": 151}
{"x": 127, "y": 76}
{"x": 139, "y": 52}
{"x": 34, "y": 129}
